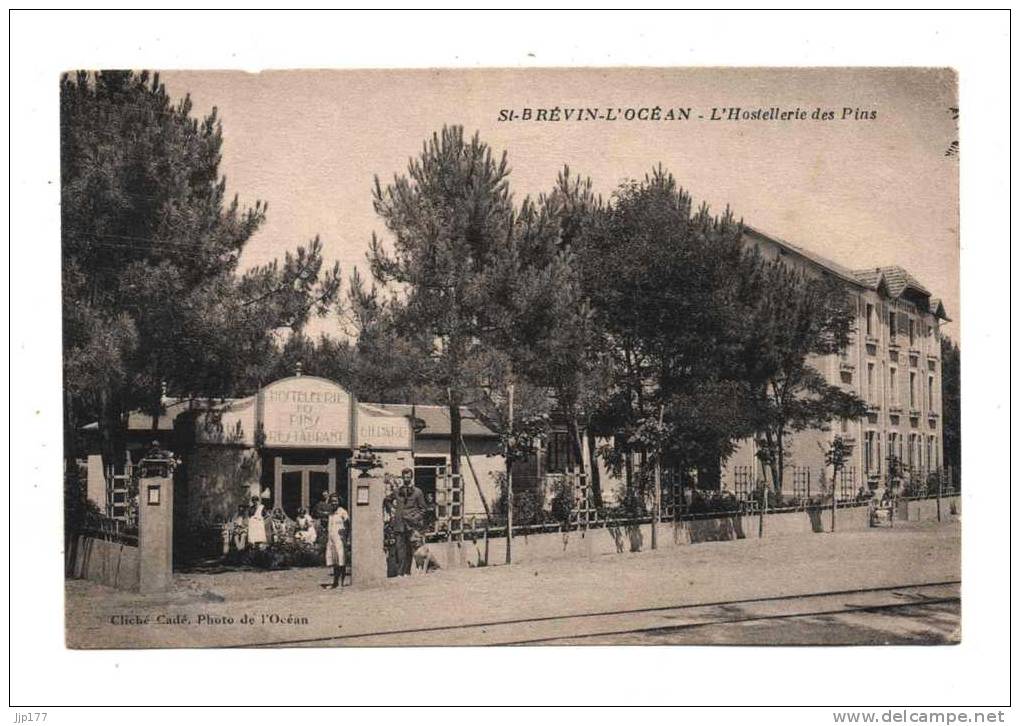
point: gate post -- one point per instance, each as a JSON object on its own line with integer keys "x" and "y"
{"x": 368, "y": 554}
{"x": 155, "y": 525}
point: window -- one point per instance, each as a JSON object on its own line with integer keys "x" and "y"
{"x": 426, "y": 474}
{"x": 892, "y": 444}
{"x": 910, "y": 330}
{"x": 892, "y": 326}
{"x": 869, "y": 452}
{"x": 871, "y": 382}
{"x": 929, "y": 462}
{"x": 931, "y": 393}
{"x": 893, "y": 398}
{"x": 869, "y": 314}
{"x": 559, "y": 454}
{"x": 913, "y": 391}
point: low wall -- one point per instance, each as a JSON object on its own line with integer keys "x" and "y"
{"x": 108, "y": 563}
{"x": 924, "y": 510}
{"x": 638, "y": 537}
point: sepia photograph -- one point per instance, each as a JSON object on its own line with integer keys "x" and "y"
{"x": 479, "y": 364}
{"x": 511, "y": 356}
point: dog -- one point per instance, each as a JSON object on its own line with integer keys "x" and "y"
{"x": 424, "y": 561}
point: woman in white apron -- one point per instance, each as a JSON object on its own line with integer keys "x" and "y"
{"x": 336, "y": 528}
{"x": 257, "y": 524}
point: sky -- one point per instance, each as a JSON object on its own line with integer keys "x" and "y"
{"x": 861, "y": 191}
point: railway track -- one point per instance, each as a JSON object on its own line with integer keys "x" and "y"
{"x": 590, "y": 627}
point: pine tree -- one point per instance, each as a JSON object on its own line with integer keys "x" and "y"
{"x": 792, "y": 319}
{"x": 951, "y": 406}
{"x": 659, "y": 274}
{"x": 448, "y": 218}
{"x": 150, "y": 249}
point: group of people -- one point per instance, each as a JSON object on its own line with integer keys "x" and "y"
{"x": 255, "y": 527}
{"x": 247, "y": 530}
{"x": 405, "y": 512}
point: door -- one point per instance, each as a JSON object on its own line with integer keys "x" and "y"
{"x": 290, "y": 498}
{"x": 299, "y": 478}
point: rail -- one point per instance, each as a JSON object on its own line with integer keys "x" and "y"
{"x": 477, "y": 532}
{"x": 110, "y": 529}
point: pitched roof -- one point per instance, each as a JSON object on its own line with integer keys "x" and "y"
{"x": 870, "y": 277}
{"x": 896, "y": 279}
{"x": 437, "y": 419}
{"x": 938, "y": 309}
{"x": 139, "y": 421}
{"x": 844, "y": 273}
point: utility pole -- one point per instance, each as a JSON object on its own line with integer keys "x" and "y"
{"x": 834, "y": 498}
{"x": 509, "y": 472}
{"x": 657, "y": 508}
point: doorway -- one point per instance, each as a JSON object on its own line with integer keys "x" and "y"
{"x": 300, "y": 478}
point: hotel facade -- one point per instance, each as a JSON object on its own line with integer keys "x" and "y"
{"x": 893, "y": 362}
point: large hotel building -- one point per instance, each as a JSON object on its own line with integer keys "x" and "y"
{"x": 894, "y": 363}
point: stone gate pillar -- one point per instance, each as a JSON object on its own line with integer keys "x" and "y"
{"x": 155, "y": 525}
{"x": 368, "y": 556}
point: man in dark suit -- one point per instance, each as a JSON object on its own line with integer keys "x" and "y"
{"x": 408, "y": 518}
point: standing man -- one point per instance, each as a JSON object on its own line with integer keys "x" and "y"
{"x": 408, "y": 518}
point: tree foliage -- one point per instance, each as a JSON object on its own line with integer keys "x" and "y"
{"x": 951, "y": 429}
{"x": 151, "y": 289}
{"x": 659, "y": 274}
{"x": 450, "y": 219}
{"x": 793, "y": 319}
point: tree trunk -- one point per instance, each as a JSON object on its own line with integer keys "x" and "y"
{"x": 774, "y": 461}
{"x": 593, "y": 467}
{"x": 780, "y": 464}
{"x": 454, "y": 434}
{"x": 576, "y": 451}
{"x": 70, "y": 440}
{"x": 628, "y": 465}
{"x": 111, "y": 431}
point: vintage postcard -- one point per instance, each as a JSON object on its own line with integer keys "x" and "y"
{"x": 586, "y": 356}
